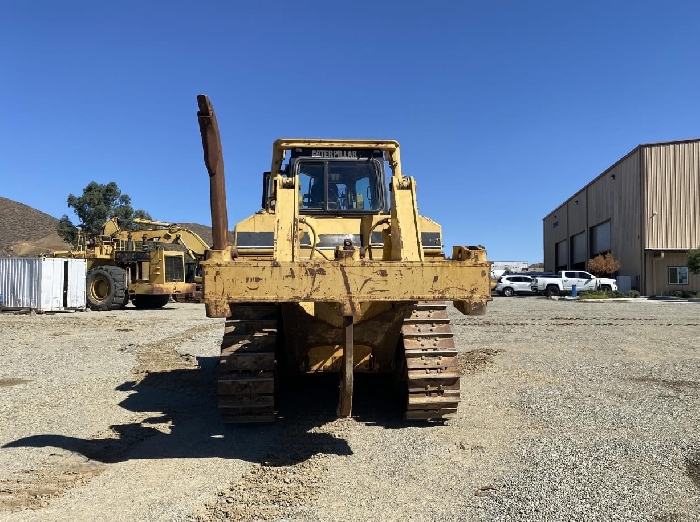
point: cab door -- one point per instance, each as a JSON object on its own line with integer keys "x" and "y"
{"x": 568, "y": 279}
{"x": 586, "y": 281}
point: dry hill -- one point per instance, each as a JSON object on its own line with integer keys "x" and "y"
{"x": 25, "y": 231}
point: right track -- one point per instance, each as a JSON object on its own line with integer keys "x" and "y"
{"x": 431, "y": 366}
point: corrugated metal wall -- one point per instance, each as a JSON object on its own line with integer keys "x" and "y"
{"x": 576, "y": 210}
{"x": 576, "y": 207}
{"x": 664, "y": 215}
{"x": 76, "y": 290}
{"x": 616, "y": 195}
{"x": 42, "y": 284}
{"x": 554, "y": 230}
{"x": 20, "y": 282}
{"x": 673, "y": 195}
{"x": 657, "y": 274}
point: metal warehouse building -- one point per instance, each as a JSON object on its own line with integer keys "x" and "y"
{"x": 645, "y": 210}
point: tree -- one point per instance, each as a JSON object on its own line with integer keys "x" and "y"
{"x": 603, "y": 264}
{"x": 98, "y": 204}
{"x": 67, "y": 231}
{"x": 694, "y": 260}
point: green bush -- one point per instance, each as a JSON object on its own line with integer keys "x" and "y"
{"x": 694, "y": 260}
{"x": 633, "y": 293}
{"x": 617, "y": 293}
{"x": 595, "y": 295}
{"x": 683, "y": 294}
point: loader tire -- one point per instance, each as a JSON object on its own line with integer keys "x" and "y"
{"x": 146, "y": 302}
{"x": 106, "y": 288}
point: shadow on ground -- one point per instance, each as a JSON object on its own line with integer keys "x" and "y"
{"x": 185, "y": 422}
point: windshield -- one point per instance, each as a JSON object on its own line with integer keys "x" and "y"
{"x": 339, "y": 186}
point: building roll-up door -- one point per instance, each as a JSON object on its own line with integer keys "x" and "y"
{"x": 560, "y": 258}
{"x": 600, "y": 239}
{"x": 578, "y": 251}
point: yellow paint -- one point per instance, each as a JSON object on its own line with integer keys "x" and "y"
{"x": 329, "y": 358}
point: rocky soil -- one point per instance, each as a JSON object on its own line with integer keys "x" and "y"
{"x": 570, "y": 411}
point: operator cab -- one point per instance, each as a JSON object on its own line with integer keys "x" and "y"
{"x": 336, "y": 181}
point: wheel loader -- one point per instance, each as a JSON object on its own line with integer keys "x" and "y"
{"x": 172, "y": 233}
{"x": 336, "y": 272}
{"x": 122, "y": 269}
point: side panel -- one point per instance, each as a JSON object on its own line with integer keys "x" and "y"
{"x": 555, "y": 228}
{"x": 39, "y": 283}
{"x": 657, "y": 280}
{"x": 19, "y": 282}
{"x": 673, "y": 192}
{"x": 51, "y": 284}
{"x": 76, "y": 283}
{"x": 616, "y": 196}
{"x": 577, "y": 213}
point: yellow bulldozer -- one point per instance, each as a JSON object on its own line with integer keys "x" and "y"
{"x": 129, "y": 265}
{"x": 337, "y": 272}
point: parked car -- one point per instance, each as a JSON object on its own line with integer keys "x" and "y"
{"x": 510, "y": 285}
{"x": 584, "y": 282}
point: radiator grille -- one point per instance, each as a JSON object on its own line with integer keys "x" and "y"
{"x": 174, "y": 269}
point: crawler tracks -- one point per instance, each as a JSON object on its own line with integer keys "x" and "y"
{"x": 247, "y": 377}
{"x": 431, "y": 370}
{"x": 246, "y": 384}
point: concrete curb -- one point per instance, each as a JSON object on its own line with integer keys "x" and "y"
{"x": 625, "y": 299}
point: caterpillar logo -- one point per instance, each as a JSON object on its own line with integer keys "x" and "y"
{"x": 324, "y": 153}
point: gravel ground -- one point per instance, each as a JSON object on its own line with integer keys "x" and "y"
{"x": 570, "y": 411}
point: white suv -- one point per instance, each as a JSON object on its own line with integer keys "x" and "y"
{"x": 510, "y": 285}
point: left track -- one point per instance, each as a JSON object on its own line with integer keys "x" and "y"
{"x": 246, "y": 384}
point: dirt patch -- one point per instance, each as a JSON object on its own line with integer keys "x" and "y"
{"x": 692, "y": 467}
{"x": 286, "y": 484}
{"x": 674, "y": 384}
{"x": 32, "y": 489}
{"x": 268, "y": 492}
{"x": 158, "y": 361}
{"x": 476, "y": 360}
{"x": 12, "y": 382}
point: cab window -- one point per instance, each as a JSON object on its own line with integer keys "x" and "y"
{"x": 339, "y": 186}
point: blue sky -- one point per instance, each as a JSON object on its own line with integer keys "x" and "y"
{"x": 503, "y": 109}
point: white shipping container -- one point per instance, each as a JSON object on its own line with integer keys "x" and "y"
{"x": 43, "y": 284}
{"x": 511, "y": 266}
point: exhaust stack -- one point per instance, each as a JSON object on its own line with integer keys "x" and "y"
{"x": 214, "y": 160}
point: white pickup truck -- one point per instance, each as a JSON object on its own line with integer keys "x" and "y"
{"x": 584, "y": 282}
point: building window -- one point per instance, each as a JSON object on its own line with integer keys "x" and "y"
{"x": 677, "y": 275}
